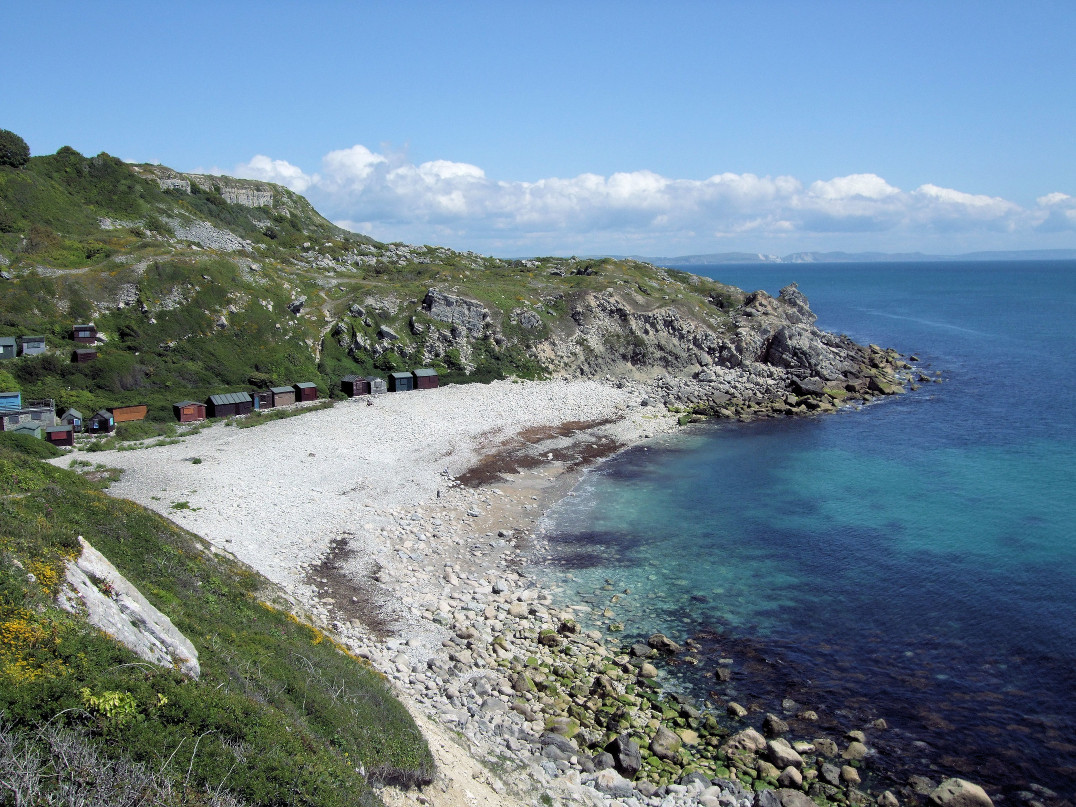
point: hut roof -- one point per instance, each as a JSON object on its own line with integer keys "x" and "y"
{"x": 425, "y": 372}
{"x": 281, "y": 390}
{"x": 400, "y": 375}
{"x": 103, "y": 413}
{"x": 226, "y": 398}
{"x": 351, "y": 378}
{"x": 87, "y": 325}
{"x": 189, "y": 403}
{"x": 306, "y": 385}
{"x": 73, "y": 413}
{"x": 55, "y": 429}
{"x": 7, "y": 341}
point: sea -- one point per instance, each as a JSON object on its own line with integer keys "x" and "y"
{"x": 912, "y": 560}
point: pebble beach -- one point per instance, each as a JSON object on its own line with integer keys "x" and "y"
{"x": 404, "y": 523}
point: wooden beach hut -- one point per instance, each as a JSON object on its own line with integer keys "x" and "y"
{"x": 7, "y": 347}
{"x": 425, "y": 378}
{"x": 263, "y": 399}
{"x": 129, "y": 414}
{"x": 401, "y": 382}
{"x": 72, "y": 417}
{"x": 306, "y": 391}
{"x": 84, "y": 334}
{"x": 31, "y": 345}
{"x": 189, "y": 411}
{"x": 354, "y": 385}
{"x": 32, "y": 429}
{"x": 83, "y": 355}
{"x": 282, "y": 396}
{"x": 229, "y": 403}
{"x": 61, "y": 436}
{"x": 101, "y": 422}
{"x": 378, "y": 386}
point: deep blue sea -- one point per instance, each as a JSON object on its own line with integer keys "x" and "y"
{"x": 912, "y": 560}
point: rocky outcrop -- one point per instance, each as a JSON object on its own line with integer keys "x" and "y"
{"x": 470, "y": 315}
{"x": 112, "y": 604}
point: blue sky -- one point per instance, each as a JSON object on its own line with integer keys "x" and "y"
{"x": 533, "y": 128}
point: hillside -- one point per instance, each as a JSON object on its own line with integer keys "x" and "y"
{"x": 202, "y": 284}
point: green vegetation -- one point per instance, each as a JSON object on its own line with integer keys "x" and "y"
{"x": 13, "y": 149}
{"x": 281, "y": 713}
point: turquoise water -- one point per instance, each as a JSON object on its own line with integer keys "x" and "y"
{"x": 914, "y": 559}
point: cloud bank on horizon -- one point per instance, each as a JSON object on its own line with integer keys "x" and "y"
{"x": 389, "y": 197}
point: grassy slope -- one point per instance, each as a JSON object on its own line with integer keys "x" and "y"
{"x": 280, "y": 715}
{"x": 169, "y": 344}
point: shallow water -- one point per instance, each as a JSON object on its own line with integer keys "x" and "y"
{"x": 913, "y": 560}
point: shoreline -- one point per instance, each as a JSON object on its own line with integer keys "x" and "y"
{"x": 434, "y": 591}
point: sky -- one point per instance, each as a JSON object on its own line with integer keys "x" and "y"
{"x": 536, "y": 128}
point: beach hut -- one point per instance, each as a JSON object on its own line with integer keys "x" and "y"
{"x": 7, "y": 347}
{"x": 189, "y": 411}
{"x": 72, "y": 417}
{"x": 377, "y": 385}
{"x": 10, "y": 401}
{"x": 306, "y": 391}
{"x": 83, "y": 355}
{"x": 128, "y": 414}
{"x": 354, "y": 385}
{"x": 32, "y": 429}
{"x": 282, "y": 396}
{"x": 61, "y": 435}
{"x": 228, "y": 404}
{"x": 31, "y": 345}
{"x": 401, "y": 382}
{"x": 101, "y": 422}
{"x": 85, "y": 334}
{"x": 262, "y": 399}
{"x": 425, "y": 378}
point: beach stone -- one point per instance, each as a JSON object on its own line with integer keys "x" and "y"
{"x": 766, "y": 770}
{"x": 612, "y": 783}
{"x": 830, "y": 774}
{"x": 518, "y": 609}
{"x": 648, "y": 670}
{"x": 603, "y": 760}
{"x": 563, "y": 726}
{"x": 783, "y": 754}
{"x": 773, "y": 726}
{"x": 747, "y": 740}
{"x": 855, "y": 750}
{"x": 790, "y": 777}
{"x": 824, "y": 747}
{"x": 850, "y": 775}
{"x": 695, "y": 778}
{"x": 959, "y": 793}
{"x": 735, "y": 710}
{"x": 663, "y": 644}
{"x": 723, "y": 674}
{"x": 666, "y": 745}
{"x": 793, "y": 798}
{"x": 627, "y": 758}
{"x": 887, "y": 799}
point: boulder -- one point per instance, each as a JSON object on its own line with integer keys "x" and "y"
{"x": 385, "y": 332}
{"x": 855, "y": 750}
{"x": 773, "y": 726}
{"x": 663, "y": 644}
{"x": 790, "y": 777}
{"x": 747, "y": 740}
{"x": 611, "y": 783}
{"x": 666, "y": 744}
{"x": 959, "y": 793}
{"x": 627, "y": 759}
{"x": 784, "y": 755}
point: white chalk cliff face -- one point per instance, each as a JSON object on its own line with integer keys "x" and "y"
{"x": 111, "y": 603}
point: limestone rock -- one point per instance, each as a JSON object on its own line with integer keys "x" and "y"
{"x": 960, "y": 793}
{"x": 124, "y": 614}
{"x": 468, "y": 314}
{"x": 783, "y": 754}
{"x": 747, "y": 740}
{"x": 612, "y": 783}
{"x": 663, "y": 644}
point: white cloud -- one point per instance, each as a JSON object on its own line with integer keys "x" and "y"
{"x": 278, "y": 171}
{"x": 388, "y": 196}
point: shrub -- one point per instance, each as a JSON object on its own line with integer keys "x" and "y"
{"x": 13, "y": 149}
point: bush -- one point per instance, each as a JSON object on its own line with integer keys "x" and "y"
{"x": 13, "y": 149}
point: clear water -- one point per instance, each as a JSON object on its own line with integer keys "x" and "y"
{"x": 913, "y": 560}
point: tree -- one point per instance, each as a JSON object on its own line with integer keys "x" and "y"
{"x": 13, "y": 149}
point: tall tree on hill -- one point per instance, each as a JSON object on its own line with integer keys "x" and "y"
{"x": 13, "y": 149}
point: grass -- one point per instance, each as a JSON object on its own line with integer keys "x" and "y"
{"x": 282, "y": 714}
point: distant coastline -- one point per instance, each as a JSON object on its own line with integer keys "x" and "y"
{"x": 858, "y": 257}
